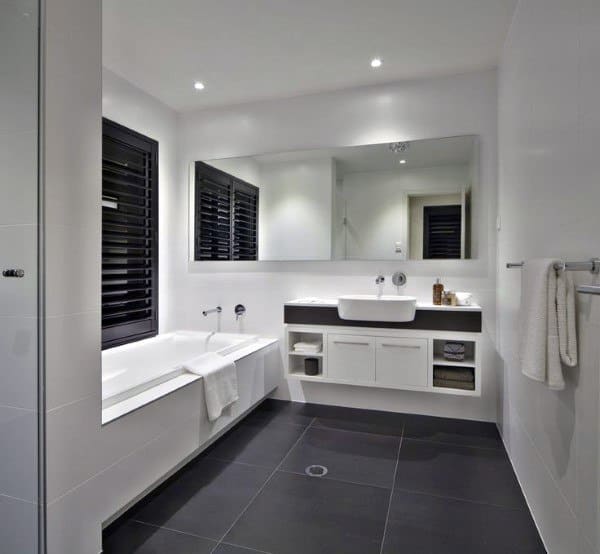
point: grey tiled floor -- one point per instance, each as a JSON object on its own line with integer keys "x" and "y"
{"x": 395, "y": 484}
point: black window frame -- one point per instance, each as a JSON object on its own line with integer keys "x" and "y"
{"x": 224, "y": 244}
{"x": 130, "y": 329}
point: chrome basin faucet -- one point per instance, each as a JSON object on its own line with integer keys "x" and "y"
{"x": 379, "y": 281}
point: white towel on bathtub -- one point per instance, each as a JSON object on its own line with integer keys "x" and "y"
{"x": 548, "y": 334}
{"x": 220, "y": 381}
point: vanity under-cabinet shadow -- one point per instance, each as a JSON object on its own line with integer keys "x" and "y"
{"x": 394, "y": 483}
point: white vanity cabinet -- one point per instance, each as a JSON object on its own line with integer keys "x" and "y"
{"x": 351, "y": 358}
{"x": 401, "y": 362}
{"x": 387, "y": 358}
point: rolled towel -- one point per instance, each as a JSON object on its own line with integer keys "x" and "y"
{"x": 220, "y": 381}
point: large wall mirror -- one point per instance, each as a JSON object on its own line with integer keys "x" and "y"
{"x": 412, "y": 200}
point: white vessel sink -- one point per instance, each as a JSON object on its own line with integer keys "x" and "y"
{"x": 369, "y": 307}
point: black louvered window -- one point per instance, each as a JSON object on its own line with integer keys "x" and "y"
{"x": 441, "y": 232}
{"x": 226, "y": 216}
{"x": 129, "y": 235}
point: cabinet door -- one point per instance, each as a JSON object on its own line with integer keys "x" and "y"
{"x": 351, "y": 358}
{"x": 401, "y": 362}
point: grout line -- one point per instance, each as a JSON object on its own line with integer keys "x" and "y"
{"x": 225, "y": 460}
{"x": 387, "y": 516}
{"x": 325, "y": 478}
{"x": 459, "y": 499}
{"x": 447, "y": 443}
{"x": 263, "y": 486}
{"x": 369, "y": 433}
{"x": 171, "y": 529}
{"x": 245, "y": 548}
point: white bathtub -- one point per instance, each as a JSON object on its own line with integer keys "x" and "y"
{"x": 131, "y": 369}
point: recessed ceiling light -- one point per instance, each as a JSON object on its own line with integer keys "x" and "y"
{"x": 376, "y": 62}
{"x": 198, "y": 85}
{"x": 402, "y": 161}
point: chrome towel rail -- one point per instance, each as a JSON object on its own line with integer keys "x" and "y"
{"x": 592, "y": 265}
{"x": 589, "y": 289}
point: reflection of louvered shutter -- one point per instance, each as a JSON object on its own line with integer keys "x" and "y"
{"x": 226, "y": 216}
{"x": 129, "y": 235}
{"x": 245, "y": 221}
{"x": 441, "y": 231}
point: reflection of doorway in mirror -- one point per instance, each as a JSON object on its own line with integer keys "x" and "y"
{"x": 437, "y": 226}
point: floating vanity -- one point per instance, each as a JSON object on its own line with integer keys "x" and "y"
{"x": 406, "y": 355}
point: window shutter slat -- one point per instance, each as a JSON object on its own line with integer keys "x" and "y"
{"x": 129, "y": 236}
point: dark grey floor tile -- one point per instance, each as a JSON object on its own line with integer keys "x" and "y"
{"x": 281, "y": 411}
{"x": 453, "y": 431}
{"x": 231, "y": 549}
{"x": 348, "y": 456}
{"x": 423, "y": 524}
{"x": 478, "y": 474}
{"x": 250, "y": 443}
{"x": 137, "y": 538}
{"x": 365, "y": 421}
{"x": 205, "y": 499}
{"x": 295, "y": 514}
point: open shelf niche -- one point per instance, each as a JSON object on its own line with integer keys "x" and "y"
{"x": 296, "y": 359}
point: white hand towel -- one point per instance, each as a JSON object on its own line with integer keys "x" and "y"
{"x": 220, "y": 381}
{"x": 548, "y": 333}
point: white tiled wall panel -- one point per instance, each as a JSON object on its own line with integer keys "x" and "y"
{"x": 549, "y": 132}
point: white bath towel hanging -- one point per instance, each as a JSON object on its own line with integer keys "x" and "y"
{"x": 220, "y": 381}
{"x": 548, "y": 333}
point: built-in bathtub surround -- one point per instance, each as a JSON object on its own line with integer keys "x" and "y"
{"x": 135, "y": 374}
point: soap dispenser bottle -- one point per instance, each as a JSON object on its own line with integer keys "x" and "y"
{"x": 438, "y": 290}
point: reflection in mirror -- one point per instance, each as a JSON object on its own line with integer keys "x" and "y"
{"x": 390, "y": 201}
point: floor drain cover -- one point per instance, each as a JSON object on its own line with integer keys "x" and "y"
{"x": 316, "y": 471}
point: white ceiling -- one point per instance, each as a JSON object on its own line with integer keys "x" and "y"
{"x": 246, "y": 50}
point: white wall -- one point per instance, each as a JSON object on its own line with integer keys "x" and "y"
{"x": 18, "y": 297}
{"x": 377, "y": 207}
{"x": 131, "y": 107}
{"x": 460, "y": 105}
{"x": 549, "y": 193}
{"x": 295, "y": 210}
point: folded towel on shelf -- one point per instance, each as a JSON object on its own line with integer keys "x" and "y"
{"x": 220, "y": 381}
{"x": 548, "y": 332}
{"x": 447, "y": 384}
{"x": 309, "y": 347}
{"x": 461, "y": 375}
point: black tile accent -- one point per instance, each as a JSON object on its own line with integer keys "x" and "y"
{"x": 295, "y": 514}
{"x": 431, "y": 320}
{"x": 137, "y": 538}
{"x": 454, "y": 431}
{"x": 205, "y": 499}
{"x": 257, "y": 444}
{"x": 348, "y": 456}
{"x": 420, "y": 523}
{"x": 477, "y": 474}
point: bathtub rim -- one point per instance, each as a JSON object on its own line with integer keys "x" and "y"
{"x": 120, "y": 409}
